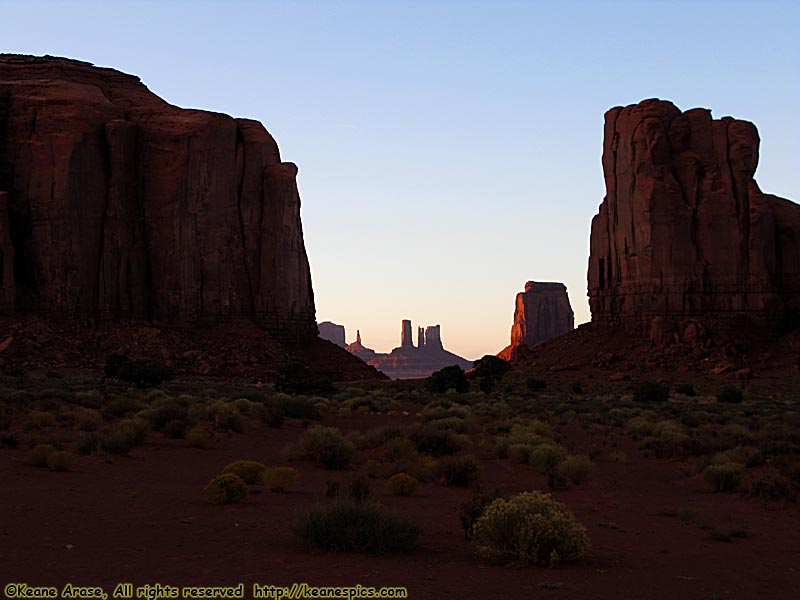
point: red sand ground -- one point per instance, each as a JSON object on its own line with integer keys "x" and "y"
{"x": 144, "y": 519}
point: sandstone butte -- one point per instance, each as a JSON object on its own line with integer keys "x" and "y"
{"x": 408, "y": 361}
{"x": 332, "y": 332}
{"x": 684, "y": 238}
{"x": 116, "y": 205}
{"x": 542, "y": 312}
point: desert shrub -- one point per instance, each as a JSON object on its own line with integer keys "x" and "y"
{"x": 433, "y": 441}
{"x": 87, "y": 419}
{"x": 372, "y": 468}
{"x": 650, "y": 391}
{"x": 296, "y": 378}
{"x": 725, "y": 477}
{"x": 489, "y": 370}
{"x": 448, "y": 378}
{"x": 472, "y": 509}
{"x": 344, "y": 525}
{"x": 327, "y": 446}
{"x": 400, "y": 449}
{"x": 402, "y": 484}
{"x": 730, "y": 395}
{"x": 141, "y": 373}
{"x": 164, "y": 411}
{"x": 687, "y": 389}
{"x": 199, "y": 437}
{"x": 251, "y": 471}
{"x": 123, "y": 406}
{"x": 120, "y": 437}
{"x": 529, "y": 528}
{"x": 575, "y": 469}
{"x": 298, "y": 407}
{"x": 546, "y": 457}
{"x": 280, "y": 479}
{"x": 89, "y": 442}
{"x": 535, "y": 384}
{"x": 227, "y": 488}
{"x": 745, "y": 455}
{"x": 460, "y": 472}
{"x": 39, "y": 454}
{"x": 42, "y": 419}
{"x": 227, "y": 417}
{"x": 769, "y": 486}
{"x": 59, "y": 460}
{"x": 519, "y": 453}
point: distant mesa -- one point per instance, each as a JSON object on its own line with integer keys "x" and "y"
{"x": 684, "y": 234}
{"x": 361, "y": 351}
{"x": 332, "y": 332}
{"x": 408, "y": 361}
{"x": 542, "y": 312}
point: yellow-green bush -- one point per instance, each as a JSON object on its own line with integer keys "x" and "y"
{"x": 59, "y": 460}
{"x": 726, "y": 477}
{"x": 280, "y": 479}
{"x": 227, "y": 488}
{"x": 402, "y": 484}
{"x": 199, "y": 437}
{"x": 39, "y": 454}
{"x": 251, "y": 471}
{"x": 546, "y": 457}
{"x": 529, "y": 528}
{"x": 575, "y": 469}
{"x": 42, "y": 419}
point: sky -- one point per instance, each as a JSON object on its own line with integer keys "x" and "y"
{"x": 448, "y": 152}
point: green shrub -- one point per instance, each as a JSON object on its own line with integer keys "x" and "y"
{"x": 227, "y": 488}
{"x": 430, "y": 440}
{"x": 120, "y": 437}
{"x": 535, "y": 384}
{"x": 87, "y": 419}
{"x": 402, "y": 484}
{"x": 42, "y": 419}
{"x": 296, "y": 378}
{"x": 575, "y": 469}
{"x": 650, "y": 391}
{"x": 725, "y": 477}
{"x": 460, "y": 472}
{"x": 123, "y": 406}
{"x": 141, "y": 373}
{"x": 546, "y": 457}
{"x": 251, "y": 471}
{"x": 199, "y": 437}
{"x": 472, "y": 509}
{"x": 59, "y": 460}
{"x": 448, "y": 378}
{"x": 327, "y": 446}
{"x": 489, "y": 370}
{"x": 298, "y": 407}
{"x": 400, "y": 449}
{"x": 519, "y": 453}
{"x": 89, "y": 442}
{"x": 345, "y": 525}
{"x": 730, "y": 395}
{"x": 769, "y": 486}
{"x": 529, "y": 528}
{"x": 39, "y": 454}
{"x": 280, "y": 479}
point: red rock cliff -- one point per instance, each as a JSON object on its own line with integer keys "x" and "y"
{"x": 684, "y": 230}
{"x": 115, "y": 204}
{"x": 542, "y": 312}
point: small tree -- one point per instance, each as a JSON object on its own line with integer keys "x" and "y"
{"x": 448, "y": 378}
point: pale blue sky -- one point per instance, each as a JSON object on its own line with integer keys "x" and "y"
{"x": 448, "y": 151}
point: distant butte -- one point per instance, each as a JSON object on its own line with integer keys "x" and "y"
{"x": 542, "y": 312}
{"x": 408, "y": 361}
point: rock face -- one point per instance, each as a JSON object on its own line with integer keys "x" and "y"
{"x": 115, "y": 204}
{"x": 332, "y": 332}
{"x": 684, "y": 231}
{"x": 361, "y": 351}
{"x": 408, "y": 361}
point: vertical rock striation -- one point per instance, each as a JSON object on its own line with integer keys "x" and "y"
{"x": 684, "y": 231}
{"x": 120, "y": 205}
